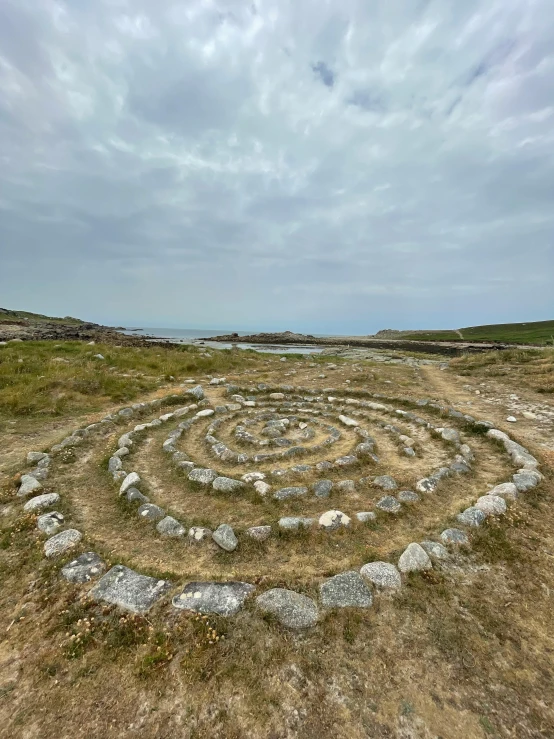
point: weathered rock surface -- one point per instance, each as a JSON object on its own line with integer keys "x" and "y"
{"x": 49, "y": 523}
{"x": 129, "y": 590}
{"x": 414, "y": 559}
{"x": 223, "y": 598}
{"x": 84, "y": 568}
{"x": 29, "y": 484}
{"x": 471, "y": 517}
{"x": 346, "y": 590}
{"x": 169, "y": 526}
{"x": 435, "y": 550}
{"x": 491, "y": 505}
{"x": 227, "y": 485}
{"x": 332, "y": 520}
{"x": 259, "y": 533}
{"x": 40, "y": 502}
{"x": 291, "y": 609}
{"x": 295, "y": 522}
{"x": 385, "y": 482}
{"x": 62, "y": 542}
{"x": 382, "y": 574}
{"x": 151, "y": 512}
{"x": 455, "y": 537}
{"x": 202, "y": 476}
{"x": 132, "y": 480}
{"x": 291, "y": 492}
{"x": 224, "y": 536}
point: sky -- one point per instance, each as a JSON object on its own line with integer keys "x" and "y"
{"x": 328, "y": 166}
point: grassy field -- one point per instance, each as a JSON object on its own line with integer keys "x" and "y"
{"x": 535, "y": 332}
{"x": 8, "y": 316}
{"x": 461, "y": 651}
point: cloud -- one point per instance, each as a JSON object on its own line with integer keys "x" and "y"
{"x": 327, "y": 167}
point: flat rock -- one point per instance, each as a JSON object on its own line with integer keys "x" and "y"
{"x": 259, "y": 533}
{"x": 205, "y": 413}
{"x": 450, "y": 435}
{"x": 49, "y": 523}
{"x": 388, "y": 504}
{"x": 227, "y": 485}
{"x": 346, "y": 486}
{"x": 34, "y": 457}
{"x": 253, "y": 476}
{"x": 347, "y": 460}
{"x": 62, "y": 542}
{"x": 129, "y": 590}
{"x": 169, "y": 526}
{"x": 224, "y": 536}
{"x": 322, "y": 488}
{"x": 434, "y": 549}
{"x": 346, "y": 590}
{"x": 151, "y": 512}
{"x": 293, "y": 610}
{"x": 199, "y": 534}
{"x": 222, "y": 598}
{"x": 332, "y": 520}
{"x": 366, "y": 516}
{"x": 491, "y": 505}
{"x": 84, "y": 568}
{"x": 131, "y": 480}
{"x": 291, "y": 492}
{"x": 385, "y": 482}
{"x": 382, "y": 574}
{"x": 506, "y": 490}
{"x": 408, "y": 496}
{"x": 202, "y": 475}
{"x": 293, "y": 523}
{"x": 29, "y": 484}
{"x": 348, "y": 421}
{"x": 525, "y": 481}
{"x": 414, "y": 559}
{"x": 40, "y": 502}
{"x": 134, "y": 495}
{"x": 455, "y": 537}
{"x": 471, "y": 517}
{"x": 261, "y": 487}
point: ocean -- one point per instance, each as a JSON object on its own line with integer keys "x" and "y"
{"x": 193, "y": 335}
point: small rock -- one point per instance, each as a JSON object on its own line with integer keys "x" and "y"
{"x": 202, "y": 476}
{"x": 414, "y": 559}
{"x": 293, "y": 610}
{"x": 348, "y": 421}
{"x": 169, "y": 526}
{"x": 261, "y": 487}
{"x": 506, "y": 490}
{"x": 366, "y": 516}
{"x": 434, "y": 549}
{"x": 385, "y": 482}
{"x": 34, "y": 457}
{"x": 225, "y": 537}
{"x": 41, "y": 501}
{"x": 292, "y": 523}
{"x": 134, "y": 495}
{"x": 197, "y": 392}
{"x": 49, "y": 523}
{"x": 455, "y": 537}
{"x": 511, "y": 419}
{"x": 205, "y": 413}
{"x": 260, "y": 533}
{"x": 131, "y": 480}
{"x": 322, "y": 488}
{"x": 29, "y": 485}
{"x": 332, "y": 520}
{"x": 389, "y": 504}
{"x": 227, "y": 485}
{"x": 199, "y": 533}
{"x": 84, "y": 568}
{"x": 525, "y": 481}
{"x": 151, "y": 512}
{"x": 491, "y": 505}
{"x": 346, "y": 590}
{"x": 471, "y": 516}
{"x": 382, "y": 574}
{"x": 408, "y": 496}
{"x": 291, "y": 492}
{"x": 253, "y": 477}
{"x": 62, "y": 542}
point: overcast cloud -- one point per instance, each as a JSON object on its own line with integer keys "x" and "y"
{"x": 318, "y": 165}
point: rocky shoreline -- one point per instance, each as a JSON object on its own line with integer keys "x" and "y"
{"x": 288, "y": 338}
{"x": 55, "y": 331}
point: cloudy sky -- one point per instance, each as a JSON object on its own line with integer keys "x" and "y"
{"x": 317, "y": 165}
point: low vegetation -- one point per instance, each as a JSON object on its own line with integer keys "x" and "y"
{"x": 533, "y": 332}
{"x": 532, "y": 368}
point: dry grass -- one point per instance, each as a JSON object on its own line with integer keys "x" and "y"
{"x": 465, "y": 651}
{"x": 531, "y": 368}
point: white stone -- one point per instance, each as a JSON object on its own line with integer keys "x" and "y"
{"x": 29, "y": 485}
{"x": 205, "y": 413}
{"x": 382, "y": 574}
{"x": 506, "y": 490}
{"x": 132, "y": 480}
{"x": 261, "y": 487}
{"x": 348, "y": 421}
{"x": 331, "y": 520}
{"x": 511, "y": 419}
{"x": 491, "y": 505}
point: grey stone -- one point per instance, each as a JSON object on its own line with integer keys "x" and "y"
{"x": 125, "y": 441}
{"x": 134, "y": 495}
{"x": 324, "y": 465}
{"x": 29, "y": 484}
{"x": 260, "y": 533}
{"x": 198, "y": 534}
{"x": 49, "y": 523}
{"x": 222, "y": 598}
{"x": 525, "y": 481}
{"x": 62, "y": 542}
{"x": 224, "y": 536}
{"x": 381, "y": 574}
{"x": 385, "y": 482}
{"x": 41, "y": 501}
{"x": 455, "y": 537}
{"x": 261, "y": 487}
{"x": 414, "y": 558}
{"x": 388, "y": 504}
{"x": 434, "y": 549}
{"x": 408, "y": 496}
{"x": 450, "y": 435}
{"x": 196, "y": 392}
{"x": 122, "y": 452}
{"x": 115, "y": 464}
{"x": 202, "y": 475}
{"x": 471, "y": 517}
{"x": 427, "y": 485}
{"x": 130, "y": 481}
{"x": 322, "y": 488}
{"x": 291, "y": 492}
{"x": 293, "y": 610}
{"x": 129, "y": 590}
{"x": 460, "y": 467}
{"x": 346, "y": 486}
{"x": 366, "y": 516}
{"x": 491, "y": 505}
{"x": 169, "y": 526}
{"x": 84, "y": 568}
{"x": 227, "y": 485}
{"x": 33, "y": 457}
{"x": 346, "y": 590}
{"x": 506, "y": 490}
{"x": 151, "y": 512}
{"x": 292, "y": 523}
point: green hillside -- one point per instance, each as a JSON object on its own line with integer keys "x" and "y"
{"x": 532, "y": 332}
{"x": 9, "y": 316}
